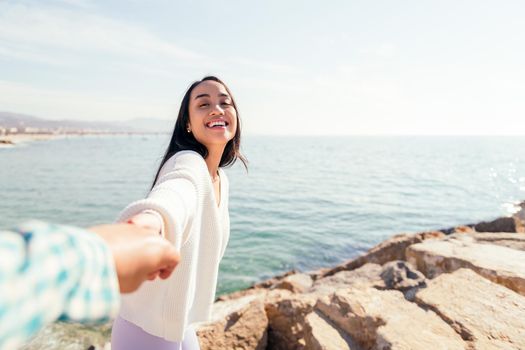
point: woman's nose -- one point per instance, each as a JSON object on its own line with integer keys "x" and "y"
{"x": 217, "y": 110}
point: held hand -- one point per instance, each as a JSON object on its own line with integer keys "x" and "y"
{"x": 139, "y": 254}
{"x": 147, "y": 220}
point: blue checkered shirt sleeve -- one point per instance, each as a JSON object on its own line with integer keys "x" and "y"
{"x": 50, "y": 272}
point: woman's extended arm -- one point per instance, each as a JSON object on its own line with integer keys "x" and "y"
{"x": 167, "y": 208}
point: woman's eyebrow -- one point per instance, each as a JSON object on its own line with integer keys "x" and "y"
{"x": 206, "y": 95}
{"x": 201, "y": 95}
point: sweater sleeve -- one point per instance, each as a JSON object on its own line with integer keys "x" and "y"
{"x": 174, "y": 198}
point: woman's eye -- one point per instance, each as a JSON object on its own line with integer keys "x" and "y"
{"x": 203, "y": 105}
{"x": 226, "y": 103}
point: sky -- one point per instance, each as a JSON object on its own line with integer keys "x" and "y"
{"x": 295, "y": 67}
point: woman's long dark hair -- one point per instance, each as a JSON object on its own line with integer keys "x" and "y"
{"x": 182, "y": 140}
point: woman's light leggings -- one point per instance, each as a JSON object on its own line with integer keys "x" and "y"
{"x": 128, "y": 336}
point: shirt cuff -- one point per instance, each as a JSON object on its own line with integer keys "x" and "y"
{"x": 99, "y": 282}
{"x": 86, "y": 269}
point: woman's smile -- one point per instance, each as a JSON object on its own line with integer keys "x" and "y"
{"x": 217, "y": 124}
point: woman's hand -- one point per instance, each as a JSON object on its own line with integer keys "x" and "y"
{"x": 147, "y": 220}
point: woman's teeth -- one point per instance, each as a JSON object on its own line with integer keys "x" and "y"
{"x": 216, "y": 123}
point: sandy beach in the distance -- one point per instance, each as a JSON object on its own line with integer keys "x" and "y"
{"x": 14, "y": 139}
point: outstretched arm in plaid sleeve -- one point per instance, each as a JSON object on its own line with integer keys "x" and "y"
{"x": 50, "y": 272}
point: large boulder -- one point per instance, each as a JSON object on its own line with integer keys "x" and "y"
{"x": 297, "y": 283}
{"x": 396, "y": 274}
{"x": 366, "y": 275}
{"x": 499, "y": 264}
{"x": 293, "y": 322}
{"x": 236, "y": 324}
{"x": 259, "y": 287}
{"x": 487, "y": 315}
{"x": 378, "y": 319}
{"x": 389, "y": 250}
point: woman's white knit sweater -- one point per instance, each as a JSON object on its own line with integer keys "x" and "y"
{"x": 184, "y": 197}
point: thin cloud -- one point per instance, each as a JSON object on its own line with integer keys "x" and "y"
{"x": 49, "y": 29}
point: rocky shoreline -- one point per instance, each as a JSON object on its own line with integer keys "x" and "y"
{"x": 457, "y": 288}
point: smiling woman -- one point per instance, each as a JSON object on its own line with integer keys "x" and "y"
{"x": 213, "y": 117}
{"x": 206, "y": 100}
{"x": 188, "y": 204}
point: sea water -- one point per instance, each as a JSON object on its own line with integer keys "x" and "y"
{"x": 305, "y": 202}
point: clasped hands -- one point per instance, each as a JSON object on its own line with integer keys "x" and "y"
{"x": 139, "y": 251}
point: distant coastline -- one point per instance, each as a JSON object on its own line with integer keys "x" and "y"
{"x": 16, "y": 128}
{"x": 10, "y": 140}
{"x": 13, "y": 139}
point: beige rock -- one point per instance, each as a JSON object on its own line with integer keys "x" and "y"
{"x": 286, "y": 317}
{"x": 237, "y": 324}
{"x": 258, "y": 287}
{"x": 366, "y": 275}
{"x": 463, "y": 229}
{"x": 322, "y": 334}
{"x": 486, "y": 314}
{"x": 70, "y": 336}
{"x": 297, "y": 283}
{"x": 274, "y": 280}
{"x": 276, "y": 295}
{"x": 385, "y": 320}
{"x": 510, "y": 240}
{"x": 499, "y": 264}
{"x": 389, "y": 250}
{"x": 240, "y": 294}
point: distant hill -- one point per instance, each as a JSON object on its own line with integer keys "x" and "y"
{"x": 21, "y": 121}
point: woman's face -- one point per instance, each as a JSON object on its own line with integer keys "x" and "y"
{"x": 213, "y": 119}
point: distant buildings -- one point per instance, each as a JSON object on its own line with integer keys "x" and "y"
{"x": 23, "y": 130}
{"x": 33, "y": 130}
